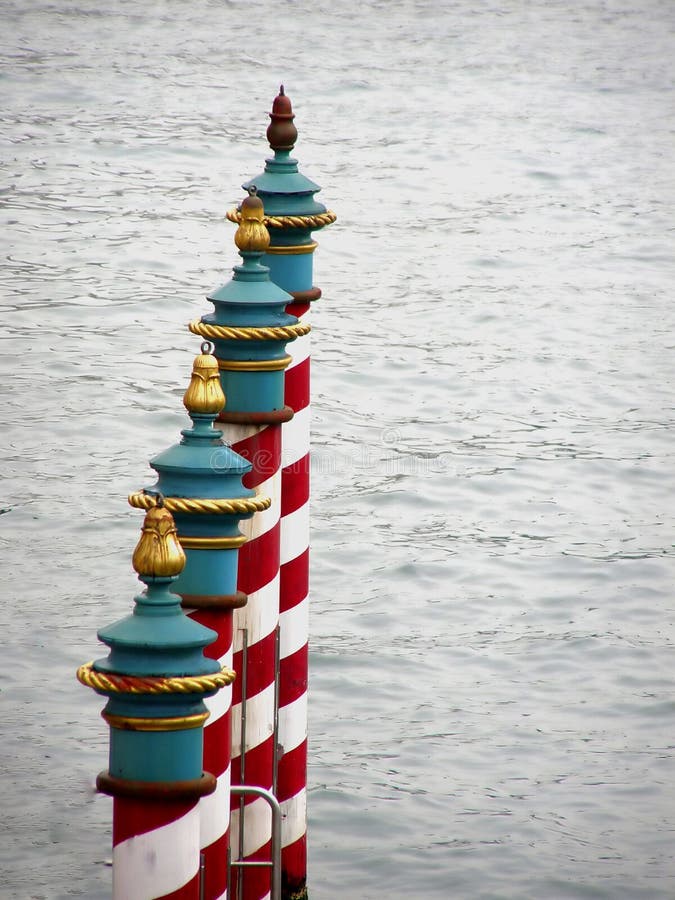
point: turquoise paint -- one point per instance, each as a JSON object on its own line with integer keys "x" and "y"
{"x": 209, "y": 572}
{"x": 284, "y": 190}
{"x": 203, "y": 466}
{"x": 156, "y": 756}
{"x": 251, "y": 299}
{"x": 157, "y": 638}
{"x": 253, "y": 391}
{"x": 292, "y": 272}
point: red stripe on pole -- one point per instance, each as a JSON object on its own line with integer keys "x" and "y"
{"x": 294, "y": 581}
{"x": 219, "y": 621}
{"x": 293, "y": 680}
{"x": 258, "y": 881}
{"x": 263, "y": 451}
{"x": 259, "y": 561}
{"x": 259, "y": 670}
{"x": 292, "y": 772}
{"x": 215, "y": 867}
{"x": 258, "y": 768}
{"x": 294, "y": 865}
{"x": 295, "y": 485}
{"x": 297, "y": 309}
{"x": 133, "y": 817}
{"x": 296, "y": 386}
{"x": 218, "y": 745}
{"x": 189, "y": 891}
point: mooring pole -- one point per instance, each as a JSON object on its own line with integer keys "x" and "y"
{"x": 201, "y": 481}
{"x": 292, "y": 214}
{"x": 250, "y": 330}
{"x": 156, "y": 678}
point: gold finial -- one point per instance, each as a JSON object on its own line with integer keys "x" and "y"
{"x": 252, "y": 236}
{"x": 158, "y": 553}
{"x": 204, "y": 393}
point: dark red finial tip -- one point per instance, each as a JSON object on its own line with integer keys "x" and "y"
{"x": 281, "y": 132}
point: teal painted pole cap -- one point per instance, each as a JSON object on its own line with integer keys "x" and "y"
{"x": 284, "y": 190}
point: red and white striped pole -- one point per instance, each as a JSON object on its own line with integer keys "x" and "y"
{"x": 292, "y": 214}
{"x": 214, "y": 810}
{"x": 155, "y": 849}
{"x": 294, "y": 617}
{"x": 250, "y": 329}
{"x": 209, "y": 595}
{"x": 253, "y": 718}
{"x": 201, "y": 477}
{"x": 155, "y": 678}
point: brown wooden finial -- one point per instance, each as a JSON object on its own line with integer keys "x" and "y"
{"x": 281, "y": 132}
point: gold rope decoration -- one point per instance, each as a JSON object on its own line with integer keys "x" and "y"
{"x": 189, "y": 542}
{"x": 153, "y": 684}
{"x": 254, "y": 365}
{"x": 317, "y": 221}
{"x": 141, "y": 500}
{"x": 225, "y": 333}
{"x": 145, "y": 723}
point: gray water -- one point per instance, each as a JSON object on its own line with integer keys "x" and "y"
{"x": 492, "y": 679}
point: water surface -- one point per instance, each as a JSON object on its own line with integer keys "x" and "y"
{"x": 492, "y": 688}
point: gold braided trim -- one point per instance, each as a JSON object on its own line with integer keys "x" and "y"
{"x": 241, "y": 505}
{"x": 142, "y": 723}
{"x": 153, "y": 684}
{"x": 255, "y": 365}
{"x": 211, "y": 543}
{"x": 292, "y": 249}
{"x": 225, "y": 333}
{"x": 317, "y": 221}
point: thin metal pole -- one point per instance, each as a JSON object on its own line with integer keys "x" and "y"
{"x": 202, "y": 877}
{"x": 242, "y": 790}
{"x": 277, "y": 681}
{"x": 242, "y": 756}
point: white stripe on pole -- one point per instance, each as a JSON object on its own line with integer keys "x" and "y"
{"x": 294, "y": 531}
{"x": 258, "y": 825}
{"x": 214, "y": 810}
{"x": 293, "y": 624}
{"x": 219, "y": 704}
{"x": 295, "y": 437}
{"x": 301, "y": 347}
{"x": 158, "y": 862}
{"x": 294, "y": 813}
{"x": 266, "y": 519}
{"x": 293, "y": 723}
{"x": 259, "y": 719}
{"x": 259, "y": 616}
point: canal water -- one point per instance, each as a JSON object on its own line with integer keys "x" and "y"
{"x": 493, "y": 610}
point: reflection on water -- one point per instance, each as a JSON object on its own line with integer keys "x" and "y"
{"x": 492, "y": 693}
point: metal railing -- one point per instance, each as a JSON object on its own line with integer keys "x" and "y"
{"x": 251, "y": 790}
{"x": 274, "y": 862}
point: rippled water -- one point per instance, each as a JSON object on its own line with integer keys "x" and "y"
{"x": 492, "y": 683}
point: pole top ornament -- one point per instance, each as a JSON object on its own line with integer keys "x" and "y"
{"x": 252, "y": 236}
{"x": 204, "y": 394}
{"x": 158, "y": 553}
{"x": 281, "y": 132}
{"x": 287, "y": 194}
